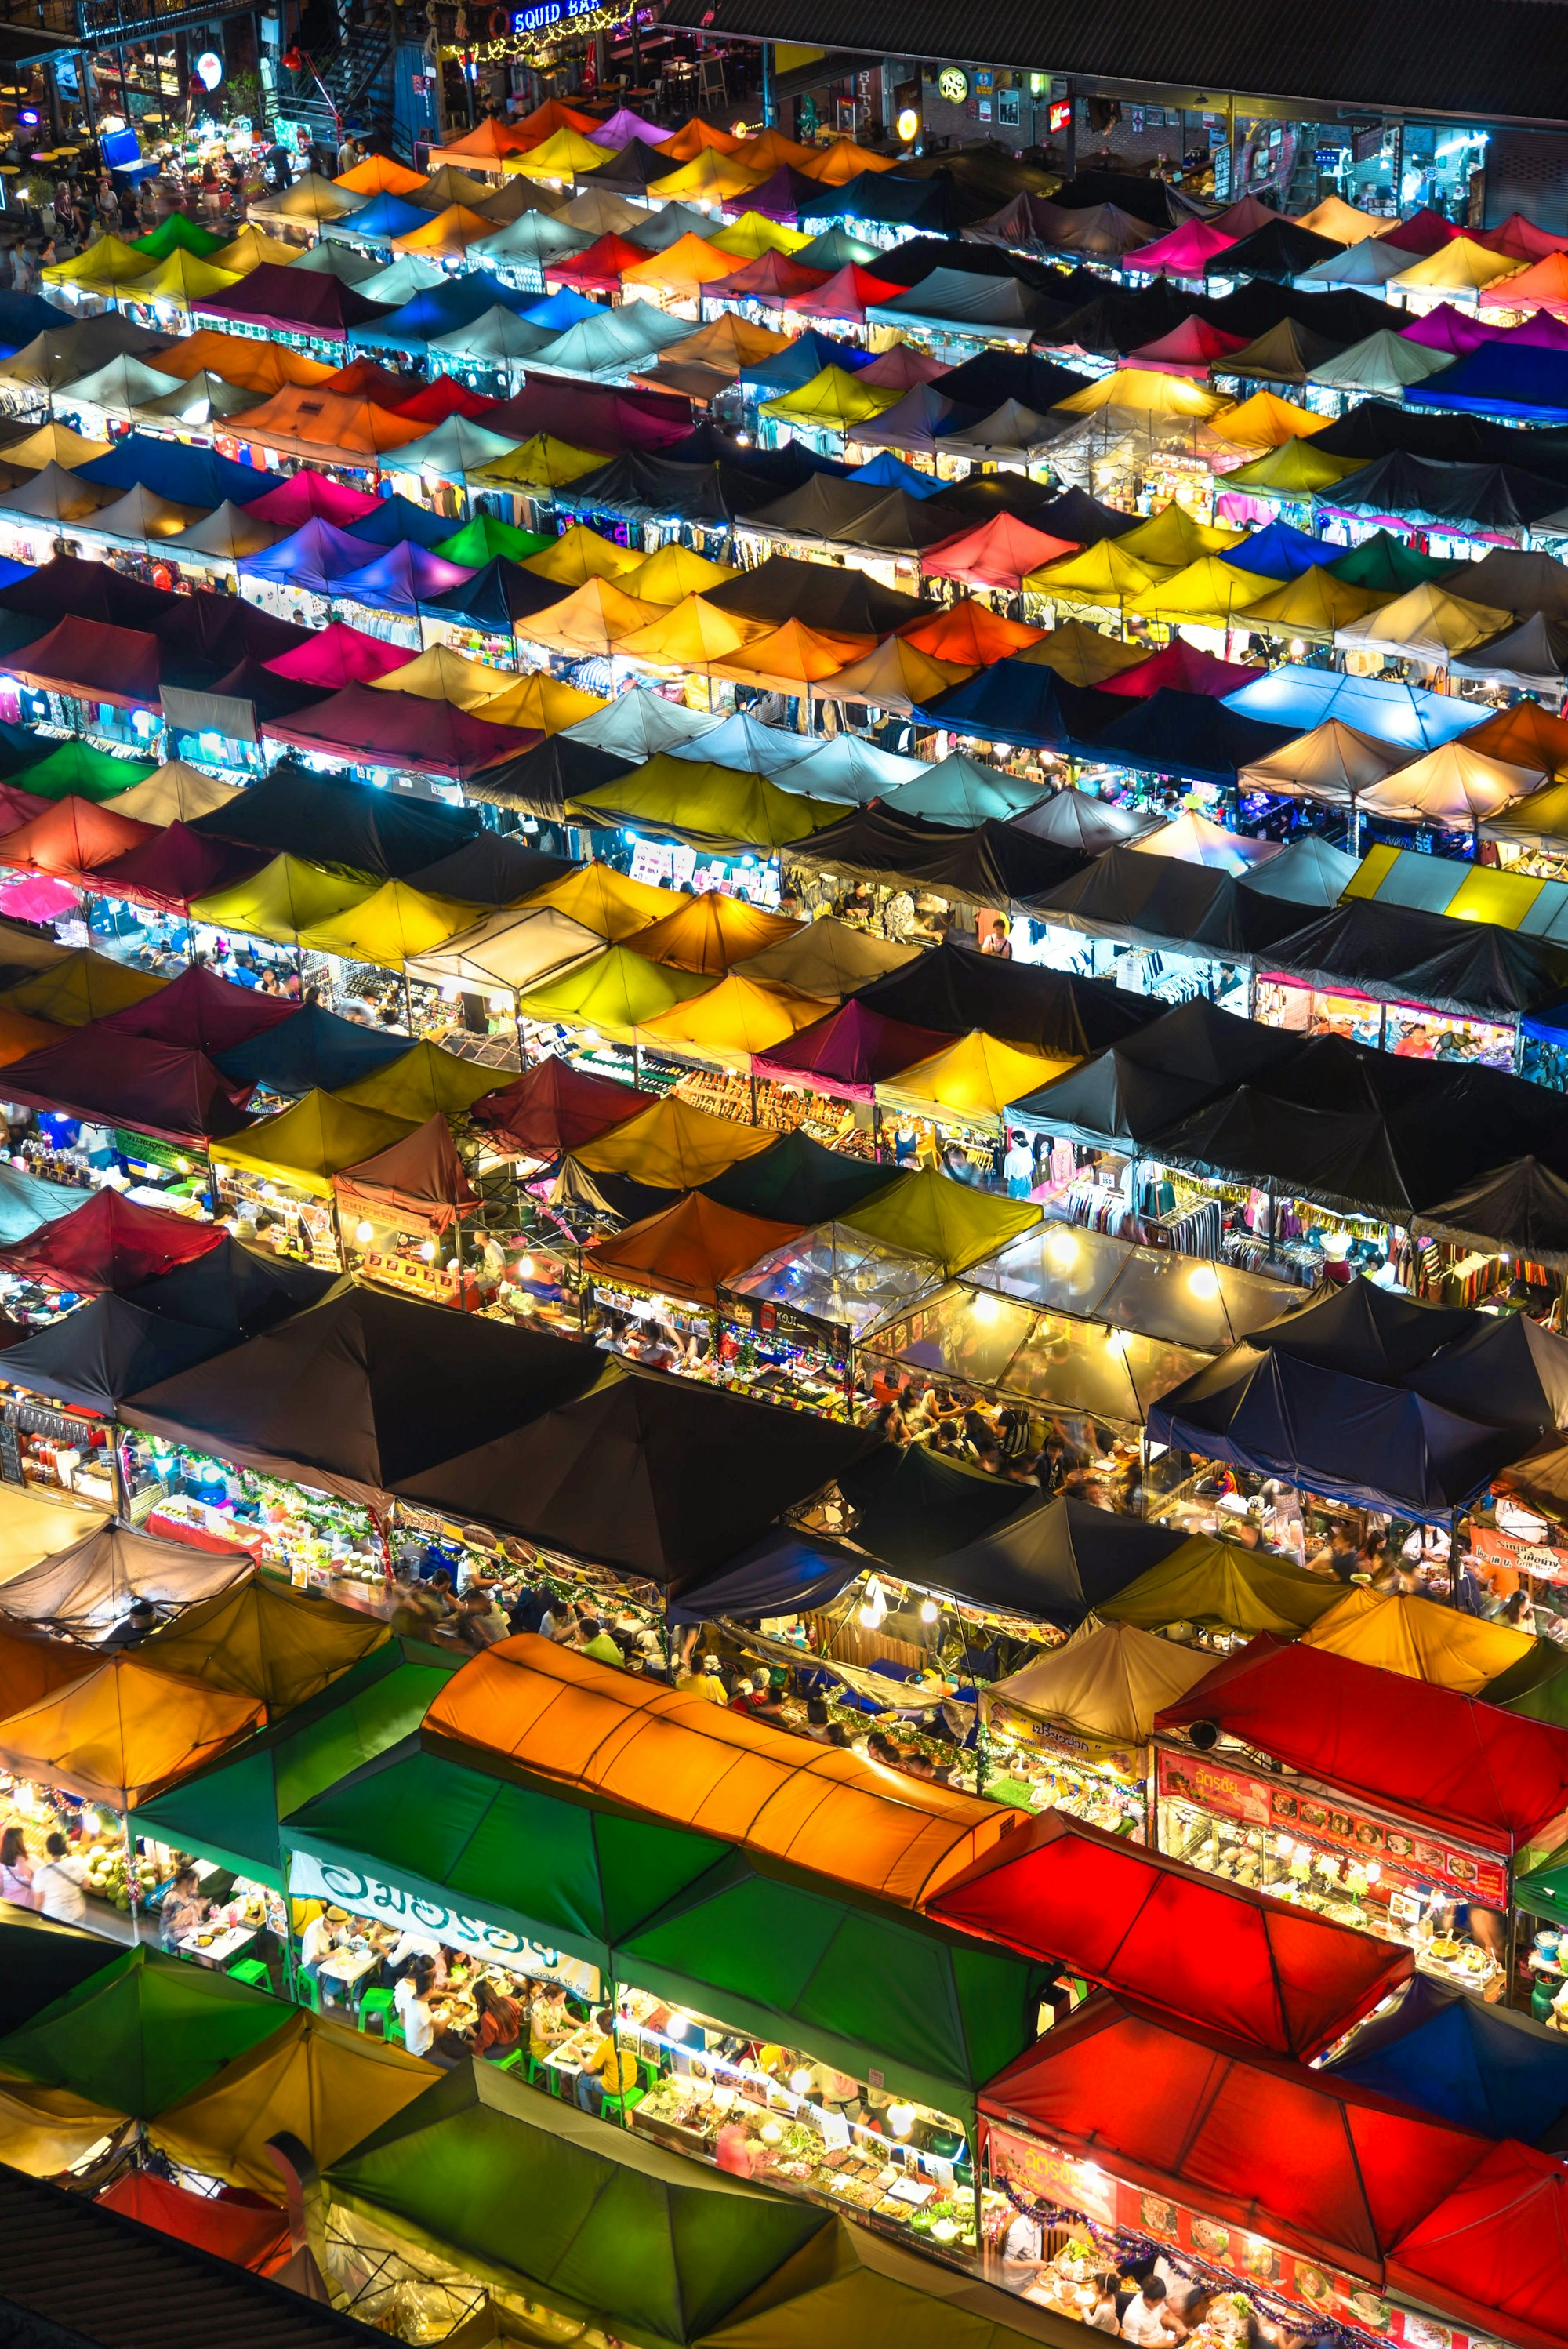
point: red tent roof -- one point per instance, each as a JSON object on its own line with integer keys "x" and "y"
{"x": 690, "y": 1249}
{"x": 771, "y": 277}
{"x": 201, "y": 1010}
{"x": 997, "y": 554}
{"x": 553, "y": 1108}
{"x": 602, "y": 264}
{"x": 233, "y": 2225}
{"x": 1495, "y": 2252}
{"x": 108, "y": 1243}
{"x": 309, "y": 496}
{"x": 340, "y": 655}
{"x": 72, "y": 838}
{"x": 1425, "y": 231}
{"x": 849, "y": 1054}
{"x": 1319, "y": 2168}
{"x": 94, "y": 660}
{"x": 1427, "y": 1752}
{"x": 178, "y": 864}
{"x": 442, "y": 396}
{"x": 401, "y": 729}
{"x": 132, "y": 1082}
{"x": 1145, "y": 1925}
{"x": 421, "y": 1170}
{"x": 1191, "y": 349}
{"x": 849, "y": 292}
{"x": 1184, "y": 668}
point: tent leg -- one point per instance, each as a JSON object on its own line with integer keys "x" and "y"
{"x": 752, "y": 1084}
{"x": 876, "y": 1134}
{"x": 517, "y": 1031}
{"x": 407, "y": 1005}
{"x": 1454, "y": 1558}
{"x": 637, "y": 1064}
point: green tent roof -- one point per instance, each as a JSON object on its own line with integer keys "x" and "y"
{"x": 1542, "y": 1891}
{"x": 1537, "y": 1686}
{"x": 230, "y": 1813}
{"x": 534, "y": 2196}
{"x": 1387, "y": 564}
{"x": 852, "y": 1982}
{"x": 481, "y": 540}
{"x": 140, "y": 2032}
{"x": 719, "y": 807}
{"x": 83, "y": 772}
{"x": 530, "y": 1859}
{"x": 40, "y": 1962}
{"x": 1217, "y": 1582}
{"x": 178, "y": 234}
{"x": 616, "y": 992}
{"x": 933, "y": 1216}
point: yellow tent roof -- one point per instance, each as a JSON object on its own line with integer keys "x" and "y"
{"x": 108, "y": 261}
{"x": 709, "y": 178}
{"x": 32, "y": 1528}
{"x": 539, "y": 701}
{"x": 931, "y": 1215}
{"x": 284, "y": 899}
{"x": 54, "y": 444}
{"x": 378, "y": 175}
{"x": 593, "y": 619}
{"x": 1459, "y": 267}
{"x": 693, "y": 635}
{"x": 563, "y": 156}
{"x": 1452, "y": 786}
{"x": 970, "y": 1082}
{"x": 443, "y": 675}
{"x": 266, "y": 1641}
{"x": 393, "y": 923}
{"x": 1209, "y": 590}
{"x": 311, "y": 198}
{"x": 1426, "y": 623}
{"x": 124, "y": 1733}
{"x": 1420, "y": 1639}
{"x": 307, "y": 1144}
{"x": 683, "y": 268}
{"x": 1083, "y": 654}
{"x": 541, "y": 463}
{"x": 1218, "y": 1582}
{"x": 1265, "y": 421}
{"x": 1146, "y": 392}
{"x": 607, "y": 902}
{"x": 730, "y": 341}
{"x": 1108, "y": 1681}
{"x": 699, "y": 800}
{"x": 44, "y": 2130}
{"x": 1101, "y": 576}
{"x": 1293, "y": 470}
{"x": 1315, "y": 604}
{"x": 86, "y": 986}
{"x": 448, "y": 235}
{"x": 423, "y": 1083}
{"x": 749, "y": 236}
{"x": 1334, "y": 217}
{"x": 734, "y": 1019}
{"x": 616, "y": 994}
{"x": 182, "y": 278}
{"x": 711, "y": 933}
{"x": 834, "y": 400}
{"x": 311, "y": 2079}
{"x": 673, "y": 574}
{"x": 1172, "y": 537}
{"x": 673, "y": 1145}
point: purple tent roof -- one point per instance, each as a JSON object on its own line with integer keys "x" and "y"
{"x": 402, "y": 579}
{"x": 623, "y": 125}
{"x": 311, "y": 557}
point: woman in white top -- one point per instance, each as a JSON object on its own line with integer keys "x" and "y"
{"x": 412, "y": 2001}
{"x": 16, "y": 1870}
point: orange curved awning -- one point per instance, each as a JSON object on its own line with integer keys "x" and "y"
{"x": 124, "y": 1733}
{"x": 678, "y": 1758}
{"x": 688, "y": 1250}
{"x": 969, "y": 633}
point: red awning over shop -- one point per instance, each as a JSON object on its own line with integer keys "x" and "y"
{"x": 1147, "y": 1927}
{"x": 176, "y": 865}
{"x": 1446, "y": 1759}
{"x": 554, "y": 1108}
{"x": 421, "y": 1173}
{"x": 1495, "y": 2252}
{"x": 94, "y": 662}
{"x": 231, "y": 2225}
{"x": 200, "y": 1010}
{"x": 108, "y": 1243}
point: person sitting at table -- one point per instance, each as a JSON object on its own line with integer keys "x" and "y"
{"x": 608, "y": 2070}
{"x": 406, "y": 1954}
{"x": 499, "y": 2025}
{"x": 321, "y": 1937}
{"x": 183, "y": 1911}
{"x": 598, "y": 1643}
{"x": 549, "y": 2019}
{"x": 411, "y": 2002}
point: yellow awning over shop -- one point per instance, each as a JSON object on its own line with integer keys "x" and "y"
{"x": 929, "y": 1215}
{"x": 693, "y": 635}
{"x": 1143, "y": 391}
{"x": 592, "y": 619}
{"x": 673, "y": 1146}
{"x": 792, "y": 658}
{"x": 1172, "y": 537}
{"x": 284, "y": 899}
{"x": 1334, "y": 217}
{"x": 1218, "y": 1583}
{"x": 184, "y": 281}
{"x": 1295, "y": 469}
{"x": 32, "y": 1528}
{"x": 448, "y": 236}
{"x": 1418, "y": 1639}
{"x": 540, "y": 463}
{"x": 86, "y": 986}
{"x": 970, "y": 1083}
{"x": 834, "y": 400}
{"x": 1265, "y": 421}
{"x": 1452, "y": 786}
{"x": 1472, "y": 893}
{"x": 580, "y": 555}
{"x": 44, "y": 2130}
{"x": 1108, "y": 1681}
{"x": 423, "y": 1083}
{"x": 675, "y": 573}
{"x": 393, "y": 923}
{"x": 717, "y": 806}
{"x": 1460, "y": 266}
{"x": 606, "y": 902}
{"x": 565, "y": 155}
{"x": 1101, "y": 576}
{"x": 751, "y": 235}
{"x": 615, "y": 995}
{"x": 251, "y": 248}
{"x": 1313, "y": 605}
{"x": 266, "y": 1641}
{"x": 1427, "y": 624}
{"x": 54, "y": 444}
{"x": 711, "y": 933}
{"x": 732, "y": 1021}
{"x": 306, "y": 1145}
{"x": 108, "y": 262}
{"x": 709, "y": 178}
{"x": 443, "y": 675}
{"x": 124, "y": 1733}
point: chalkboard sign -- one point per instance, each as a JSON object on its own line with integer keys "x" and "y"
{"x": 11, "y": 1452}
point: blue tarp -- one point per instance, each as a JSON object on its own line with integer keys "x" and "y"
{"x": 1187, "y": 734}
{"x": 1280, "y": 551}
{"x": 783, "y": 1574}
{"x": 398, "y": 518}
{"x": 314, "y": 1050}
{"x": 561, "y": 310}
{"x": 312, "y": 557}
{"x": 171, "y": 468}
{"x": 798, "y": 361}
{"x": 1026, "y": 703}
{"x": 24, "y": 316}
{"x": 11, "y": 572}
{"x": 1479, "y": 2066}
{"x": 1500, "y": 379}
{"x": 27, "y": 1202}
{"x": 403, "y": 579}
{"x": 1301, "y": 698}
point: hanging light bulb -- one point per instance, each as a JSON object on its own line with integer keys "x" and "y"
{"x": 1061, "y": 1251}
{"x": 983, "y": 1308}
{"x": 900, "y": 2119}
{"x": 365, "y": 1233}
{"x": 428, "y": 1252}
{"x": 1203, "y": 1281}
{"x": 929, "y": 1611}
{"x": 800, "y": 2079}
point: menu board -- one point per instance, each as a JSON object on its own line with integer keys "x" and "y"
{"x": 1406, "y": 1856}
{"x": 1117, "y": 1761}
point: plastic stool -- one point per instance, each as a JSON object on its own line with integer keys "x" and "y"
{"x": 253, "y": 1971}
{"x": 620, "y": 2106}
{"x": 376, "y": 2002}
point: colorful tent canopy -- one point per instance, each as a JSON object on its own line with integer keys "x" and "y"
{"x": 423, "y": 1082}
{"x": 387, "y": 927}
{"x": 731, "y": 1022}
{"x": 933, "y": 1216}
{"x": 553, "y": 1109}
{"x": 108, "y": 1243}
{"x": 847, "y": 1054}
{"x": 968, "y": 1084}
{"x": 710, "y": 933}
{"x": 422, "y": 1175}
{"x": 689, "y": 1250}
{"x": 278, "y": 1646}
{"x": 86, "y": 1587}
{"x": 1423, "y": 1641}
{"x": 306, "y": 1145}
{"x": 715, "y": 806}
{"x": 1217, "y": 1583}
{"x": 606, "y": 902}
{"x": 1454, "y": 786}
{"x": 510, "y": 949}
{"x": 139, "y": 2031}
{"x": 104, "y": 1351}
{"x": 123, "y": 1733}
{"x": 1107, "y": 1684}
{"x": 673, "y": 1146}
{"x": 1481, "y": 2068}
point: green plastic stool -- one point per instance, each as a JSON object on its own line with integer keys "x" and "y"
{"x": 376, "y": 2002}
{"x": 509, "y": 2062}
{"x": 253, "y": 1971}
{"x": 620, "y": 2106}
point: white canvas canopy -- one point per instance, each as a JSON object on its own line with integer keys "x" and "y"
{"x": 87, "y": 1589}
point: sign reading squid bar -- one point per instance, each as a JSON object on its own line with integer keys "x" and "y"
{"x": 390, "y": 1903}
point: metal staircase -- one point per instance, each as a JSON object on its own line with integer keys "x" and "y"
{"x": 351, "y": 90}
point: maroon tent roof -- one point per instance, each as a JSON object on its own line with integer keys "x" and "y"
{"x": 108, "y": 1243}
{"x": 553, "y": 1108}
{"x": 421, "y": 1173}
{"x": 850, "y": 1053}
{"x": 178, "y": 864}
{"x": 94, "y": 660}
{"x": 401, "y": 729}
{"x": 201, "y": 1010}
{"x": 771, "y": 277}
{"x": 67, "y": 587}
{"x": 226, "y": 628}
{"x": 295, "y": 301}
{"x": 593, "y": 415}
{"x": 132, "y": 1082}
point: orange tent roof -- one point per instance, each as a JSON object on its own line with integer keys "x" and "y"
{"x": 487, "y": 142}
{"x": 451, "y": 232}
{"x": 693, "y": 137}
{"x": 380, "y": 176}
{"x": 31, "y": 1670}
{"x": 554, "y": 115}
{"x": 768, "y": 149}
{"x": 260, "y": 368}
{"x": 1525, "y": 736}
{"x": 969, "y": 633}
{"x": 710, "y": 932}
{"x": 691, "y": 261}
{"x": 303, "y": 423}
{"x": 835, "y": 165}
{"x": 21, "y": 1034}
{"x": 794, "y": 656}
{"x": 122, "y": 1733}
{"x": 591, "y": 619}
{"x": 688, "y": 1250}
{"x": 1542, "y": 286}
{"x": 680, "y": 1758}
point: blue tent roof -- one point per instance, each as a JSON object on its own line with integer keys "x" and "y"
{"x": 1500, "y": 379}
{"x": 561, "y": 310}
{"x": 311, "y": 557}
{"x": 398, "y": 518}
{"x": 1023, "y": 702}
{"x": 403, "y": 579}
{"x": 1280, "y": 551}
{"x": 1301, "y": 698}
{"x": 170, "y": 469}
{"x": 385, "y": 217}
{"x": 11, "y": 572}
{"x": 440, "y": 310}
{"x": 780, "y": 1575}
{"x": 27, "y": 1203}
{"x": 1481, "y": 2068}
{"x": 312, "y": 1050}
{"x": 24, "y": 316}
{"x": 798, "y": 361}
{"x": 884, "y": 470}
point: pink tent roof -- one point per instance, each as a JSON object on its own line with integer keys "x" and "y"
{"x": 307, "y": 494}
{"x": 401, "y": 729}
{"x": 340, "y": 655}
{"x": 553, "y": 1108}
{"x": 849, "y": 1054}
{"x": 95, "y": 661}
{"x": 900, "y": 367}
{"x": 1187, "y": 252}
{"x": 1182, "y": 667}
{"x": 1191, "y": 349}
{"x": 850, "y": 292}
{"x": 999, "y": 552}
{"x": 1520, "y": 238}
{"x": 625, "y": 126}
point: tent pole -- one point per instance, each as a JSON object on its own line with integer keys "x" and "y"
{"x": 407, "y": 1004}
{"x": 1454, "y": 1558}
{"x": 517, "y": 1031}
{"x": 751, "y": 1081}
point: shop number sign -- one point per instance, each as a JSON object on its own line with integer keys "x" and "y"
{"x": 1294, "y": 1807}
{"x": 392, "y": 1904}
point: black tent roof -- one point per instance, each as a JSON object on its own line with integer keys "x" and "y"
{"x": 1490, "y": 496}
{"x": 630, "y": 167}
{"x": 858, "y": 514}
{"x": 953, "y": 988}
{"x": 983, "y": 382}
{"x": 648, "y": 485}
{"x": 498, "y": 595}
{"x": 1372, "y": 1332}
{"x": 492, "y": 869}
{"x": 1024, "y": 702}
{"x": 297, "y": 812}
{"x": 847, "y": 602}
{"x": 969, "y": 301}
{"x": 105, "y": 1350}
{"x": 364, "y": 1389}
{"x": 797, "y": 1181}
{"x": 1159, "y": 901}
{"x": 785, "y": 1573}
{"x": 540, "y": 782}
{"x": 1189, "y": 734}
{"x": 1523, "y": 1205}
{"x": 1403, "y": 955}
{"x": 238, "y": 1290}
{"x": 650, "y": 1475}
{"x": 1075, "y": 514}
{"x": 1281, "y": 249}
{"x": 1378, "y": 428}
{"x": 1153, "y": 200}
{"x": 1054, "y": 1560}
{"x": 1178, "y": 1063}
{"x": 1122, "y": 319}
{"x": 983, "y": 864}
{"x": 914, "y": 1508}
{"x": 1510, "y": 1373}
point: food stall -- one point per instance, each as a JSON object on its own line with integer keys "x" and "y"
{"x": 403, "y": 1216}
{"x": 801, "y": 1309}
